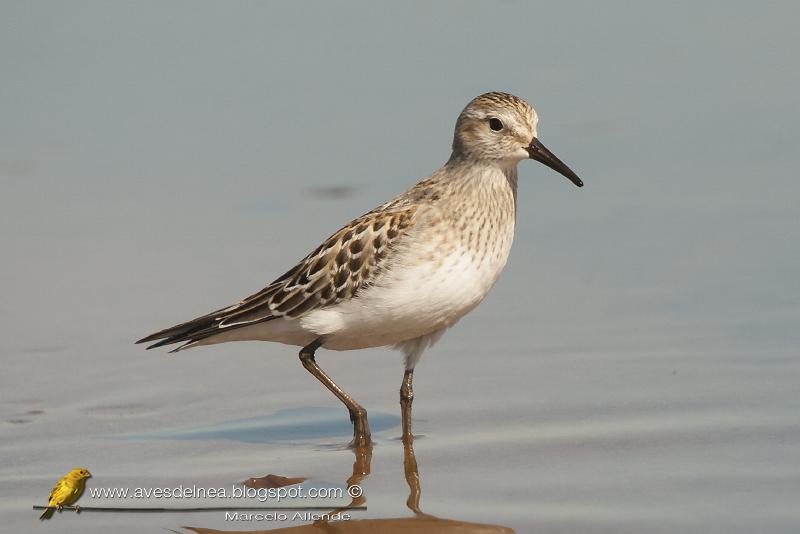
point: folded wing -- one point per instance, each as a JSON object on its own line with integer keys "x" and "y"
{"x": 337, "y": 270}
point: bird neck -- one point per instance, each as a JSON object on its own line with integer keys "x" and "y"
{"x": 483, "y": 173}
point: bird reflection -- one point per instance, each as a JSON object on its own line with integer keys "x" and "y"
{"x": 420, "y": 522}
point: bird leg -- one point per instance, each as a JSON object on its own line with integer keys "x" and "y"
{"x": 358, "y": 415}
{"x": 77, "y": 509}
{"x": 406, "y": 398}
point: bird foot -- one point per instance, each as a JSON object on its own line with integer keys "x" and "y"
{"x": 361, "y": 434}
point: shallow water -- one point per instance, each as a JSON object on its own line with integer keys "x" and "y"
{"x": 634, "y": 370}
{"x": 291, "y": 424}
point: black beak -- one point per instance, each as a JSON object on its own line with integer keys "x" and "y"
{"x": 540, "y": 153}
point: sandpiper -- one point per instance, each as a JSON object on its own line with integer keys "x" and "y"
{"x": 403, "y": 273}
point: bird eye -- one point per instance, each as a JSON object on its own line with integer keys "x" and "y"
{"x": 495, "y": 124}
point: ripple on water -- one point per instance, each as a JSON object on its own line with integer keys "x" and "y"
{"x": 284, "y": 425}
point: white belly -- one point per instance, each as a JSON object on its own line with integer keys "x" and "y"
{"x": 413, "y": 299}
{"x": 422, "y": 293}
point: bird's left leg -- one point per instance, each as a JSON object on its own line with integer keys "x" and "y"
{"x": 412, "y": 350}
{"x": 77, "y": 509}
{"x": 406, "y": 398}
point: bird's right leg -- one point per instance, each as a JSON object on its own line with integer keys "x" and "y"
{"x": 358, "y": 415}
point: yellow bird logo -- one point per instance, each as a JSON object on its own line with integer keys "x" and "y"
{"x": 67, "y": 491}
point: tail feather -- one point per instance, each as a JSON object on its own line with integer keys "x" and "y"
{"x": 47, "y": 514}
{"x": 193, "y": 331}
{"x": 184, "y": 328}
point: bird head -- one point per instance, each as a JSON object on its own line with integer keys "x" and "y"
{"x": 502, "y": 127}
{"x": 79, "y": 473}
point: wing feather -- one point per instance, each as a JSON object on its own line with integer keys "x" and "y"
{"x": 344, "y": 264}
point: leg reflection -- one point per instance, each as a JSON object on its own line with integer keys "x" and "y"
{"x": 361, "y": 470}
{"x": 412, "y": 473}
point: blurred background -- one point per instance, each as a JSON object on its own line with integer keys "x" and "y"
{"x": 635, "y": 368}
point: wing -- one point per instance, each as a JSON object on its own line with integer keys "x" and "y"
{"x": 57, "y": 492}
{"x": 338, "y": 269}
